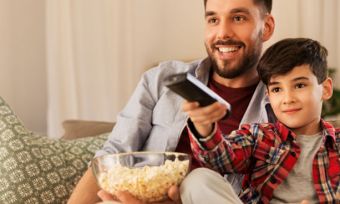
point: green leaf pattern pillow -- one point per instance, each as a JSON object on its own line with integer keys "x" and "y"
{"x": 37, "y": 169}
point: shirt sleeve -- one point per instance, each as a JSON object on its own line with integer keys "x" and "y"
{"x": 224, "y": 153}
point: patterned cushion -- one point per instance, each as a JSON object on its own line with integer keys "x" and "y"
{"x": 36, "y": 169}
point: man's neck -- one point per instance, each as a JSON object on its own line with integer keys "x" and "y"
{"x": 247, "y": 79}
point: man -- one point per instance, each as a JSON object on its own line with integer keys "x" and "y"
{"x": 153, "y": 120}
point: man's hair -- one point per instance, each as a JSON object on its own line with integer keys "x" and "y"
{"x": 286, "y": 54}
{"x": 266, "y": 4}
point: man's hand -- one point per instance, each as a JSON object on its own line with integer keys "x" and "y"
{"x": 126, "y": 198}
{"x": 203, "y": 118}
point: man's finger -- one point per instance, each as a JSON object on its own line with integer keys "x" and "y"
{"x": 173, "y": 194}
{"x": 127, "y": 198}
{"x": 105, "y": 196}
{"x": 188, "y": 106}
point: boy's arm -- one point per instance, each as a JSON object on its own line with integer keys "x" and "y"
{"x": 226, "y": 154}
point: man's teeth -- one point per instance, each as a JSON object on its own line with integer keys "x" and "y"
{"x": 227, "y": 49}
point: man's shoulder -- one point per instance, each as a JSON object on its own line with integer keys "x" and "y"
{"x": 173, "y": 67}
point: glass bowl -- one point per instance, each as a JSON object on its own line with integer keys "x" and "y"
{"x": 146, "y": 175}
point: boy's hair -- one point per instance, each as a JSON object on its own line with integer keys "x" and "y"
{"x": 266, "y": 5}
{"x": 286, "y": 54}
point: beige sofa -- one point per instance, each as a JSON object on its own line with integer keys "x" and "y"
{"x": 36, "y": 169}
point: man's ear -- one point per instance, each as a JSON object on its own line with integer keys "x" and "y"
{"x": 327, "y": 89}
{"x": 269, "y": 26}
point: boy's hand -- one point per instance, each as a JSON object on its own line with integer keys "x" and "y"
{"x": 203, "y": 118}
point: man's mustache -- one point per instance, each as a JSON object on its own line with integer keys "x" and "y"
{"x": 229, "y": 42}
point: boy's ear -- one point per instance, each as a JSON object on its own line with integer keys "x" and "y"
{"x": 327, "y": 89}
{"x": 268, "y": 29}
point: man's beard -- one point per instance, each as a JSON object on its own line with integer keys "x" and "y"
{"x": 245, "y": 63}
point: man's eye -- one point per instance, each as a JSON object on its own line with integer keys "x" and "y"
{"x": 212, "y": 20}
{"x": 239, "y": 18}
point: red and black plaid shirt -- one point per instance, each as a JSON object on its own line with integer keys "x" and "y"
{"x": 266, "y": 153}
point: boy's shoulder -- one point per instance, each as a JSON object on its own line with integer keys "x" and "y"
{"x": 260, "y": 130}
{"x": 337, "y": 135}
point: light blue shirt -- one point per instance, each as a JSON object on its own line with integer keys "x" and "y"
{"x": 152, "y": 120}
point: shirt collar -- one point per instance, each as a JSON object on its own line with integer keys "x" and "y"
{"x": 328, "y": 133}
{"x": 203, "y": 69}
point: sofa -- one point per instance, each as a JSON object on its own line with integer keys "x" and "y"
{"x": 37, "y": 169}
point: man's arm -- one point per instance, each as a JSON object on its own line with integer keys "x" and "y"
{"x": 86, "y": 190}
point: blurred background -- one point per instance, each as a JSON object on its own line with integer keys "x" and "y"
{"x": 81, "y": 59}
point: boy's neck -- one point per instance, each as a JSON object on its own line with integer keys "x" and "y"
{"x": 311, "y": 128}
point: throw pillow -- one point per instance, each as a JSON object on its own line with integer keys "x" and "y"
{"x": 37, "y": 169}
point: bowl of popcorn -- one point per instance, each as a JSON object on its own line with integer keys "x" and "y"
{"x": 146, "y": 175}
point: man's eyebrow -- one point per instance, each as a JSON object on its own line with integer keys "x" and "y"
{"x": 232, "y": 11}
{"x": 240, "y": 10}
{"x": 209, "y": 13}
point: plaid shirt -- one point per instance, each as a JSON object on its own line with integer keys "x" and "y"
{"x": 266, "y": 153}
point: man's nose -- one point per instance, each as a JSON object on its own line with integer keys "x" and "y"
{"x": 224, "y": 30}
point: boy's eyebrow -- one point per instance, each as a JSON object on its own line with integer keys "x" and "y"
{"x": 300, "y": 78}
{"x": 273, "y": 83}
{"x": 295, "y": 79}
{"x": 232, "y": 11}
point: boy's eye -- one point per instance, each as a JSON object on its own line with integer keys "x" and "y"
{"x": 275, "y": 89}
{"x": 300, "y": 85}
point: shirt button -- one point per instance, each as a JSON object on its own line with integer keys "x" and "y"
{"x": 273, "y": 180}
{"x": 293, "y": 154}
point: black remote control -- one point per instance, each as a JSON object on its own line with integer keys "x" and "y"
{"x": 192, "y": 89}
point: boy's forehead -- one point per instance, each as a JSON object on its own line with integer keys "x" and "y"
{"x": 298, "y": 72}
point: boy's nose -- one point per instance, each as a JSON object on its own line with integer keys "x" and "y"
{"x": 288, "y": 98}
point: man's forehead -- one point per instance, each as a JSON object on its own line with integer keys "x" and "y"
{"x": 231, "y": 5}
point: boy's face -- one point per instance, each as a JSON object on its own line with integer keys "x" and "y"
{"x": 296, "y": 98}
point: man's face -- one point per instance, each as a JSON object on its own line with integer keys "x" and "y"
{"x": 296, "y": 98}
{"x": 233, "y": 37}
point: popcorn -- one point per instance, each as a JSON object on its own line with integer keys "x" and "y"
{"x": 147, "y": 183}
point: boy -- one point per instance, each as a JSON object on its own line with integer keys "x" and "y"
{"x": 294, "y": 160}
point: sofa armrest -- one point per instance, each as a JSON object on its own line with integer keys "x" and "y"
{"x": 335, "y": 123}
{"x": 84, "y": 128}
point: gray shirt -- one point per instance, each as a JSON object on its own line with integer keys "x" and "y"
{"x": 299, "y": 184}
